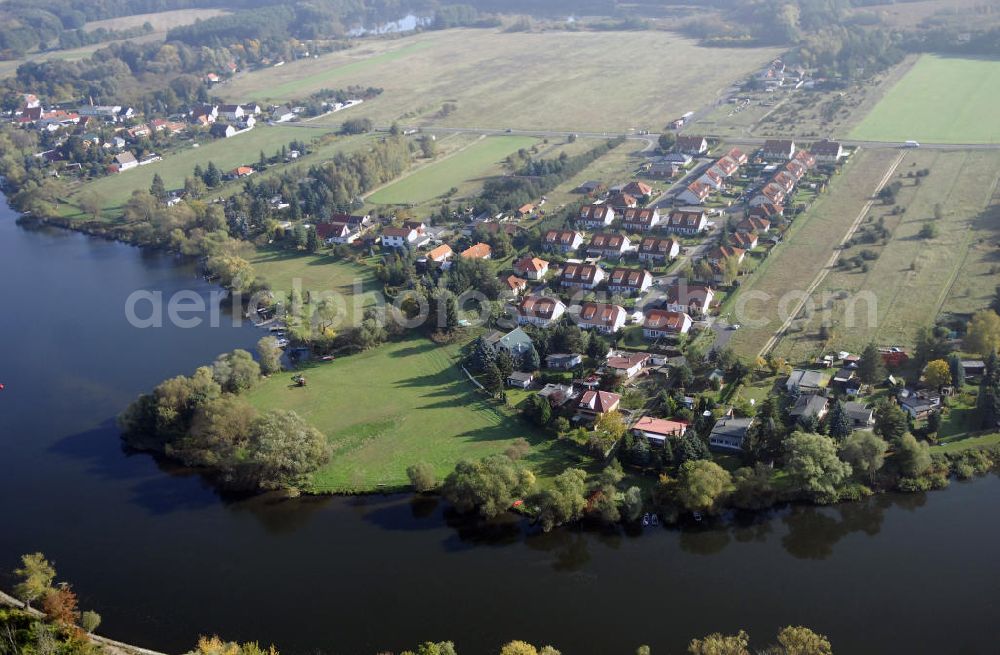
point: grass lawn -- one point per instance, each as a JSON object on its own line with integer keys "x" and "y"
{"x": 809, "y": 242}
{"x": 982, "y": 441}
{"x": 319, "y": 273}
{"x": 401, "y": 403}
{"x": 437, "y": 178}
{"x": 516, "y": 80}
{"x": 227, "y": 154}
{"x": 914, "y": 279}
{"x": 942, "y": 100}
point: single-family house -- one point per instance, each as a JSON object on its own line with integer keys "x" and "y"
{"x": 252, "y": 109}
{"x": 658, "y": 249}
{"x": 691, "y": 145}
{"x": 744, "y": 240}
{"x": 687, "y": 221}
{"x": 695, "y": 193}
{"x": 241, "y": 171}
{"x": 664, "y": 169}
{"x": 562, "y": 240}
{"x": 919, "y": 404}
{"x": 860, "y": 416}
{"x": 282, "y": 114}
{"x": 719, "y": 254}
{"x": 640, "y": 220}
{"x": 563, "y": 361}
{"x": 477, "y": 251}
{"x": 659, "y": 323}
{"x": 514, "y": 285}
{"x": 622, "y": 201}
{"x": 601, "y": 317}
{"x": 595, "y": 216}
{"x": 778, "y": 149}
{"x": 531, "y": 268}
{"x": 398, "y": 237}
{"x": 540, "y": 311}
{"x": 231, "y": 112}
{"x": 440, "y": 255}
{"x": 713, "y": 179}
{"x": 222, "y": 131}
{"x": 590, "y": 187}
{"x": 805, "y": 158}
{"x": 682, "y": 159}
{"x": 770, "y": 193}
{"x": 724, "y": 167}
{"x": 335, "y": 232}
{"x": 766, "y": 210}
{"x": 124, "y": 161}
{"x": 737, "y": 156}
{"x": 629, "y": 281}
{"x": 728, "y": 434}
{"x": 638, "y": 189}
{"x": 596, "y": 403}
{"x": 785, "y": 180}
{"x": 657, "y": 430}
{"x": 804, "y": 381}
{"x": 796, "y": 169}
{"x": 419, "y": 226}
{"x": 626, "y": 364}
{"x": 520, "y": 380}
{"x": 844, "y": 377}
{"x": 558, "y": 394}
{"x": 608, "y": 244}
{"x": 809, "y": 406}
{"x": 581, "y": 276}
{"x": 525, "y": 210}
{"x": 693, "y": 299}
{"x": 516, "y": 343}
{"x": 754, "y": 224}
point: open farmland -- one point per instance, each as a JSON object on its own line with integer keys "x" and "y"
{"x": 940, "y": 100}
{"x": 161, "y": 22}
{"x": 780, "y": 279}
{"x": 436, "y": 178}
{"x": 911, "y": 278}
{"x": 398, "y": 404}
{"x": 518, "y": 80}
{"x": 226, "y": 153}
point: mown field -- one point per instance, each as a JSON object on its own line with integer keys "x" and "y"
{"x": 808, "y": 245}
{"x": 227, "y": 154}
{"x": 161, "y": 21}
{"x": 436, "y": 178}
{"x": 940, "y": 100}
{"x": 401, "y": 403}
{"x": 914, "y": 279}
{"x": 319, "y": 273}
{"x": 557, "y": 81}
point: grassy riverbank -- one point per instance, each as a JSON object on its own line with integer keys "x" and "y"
{"x": 401, "y": 403}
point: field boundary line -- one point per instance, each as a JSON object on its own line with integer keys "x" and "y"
{"x": 821, "y": 275}
{"x": 413, "y": 171}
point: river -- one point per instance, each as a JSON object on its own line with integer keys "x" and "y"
{"x": 163, "y": 558}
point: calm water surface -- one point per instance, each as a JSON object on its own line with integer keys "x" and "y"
{"x": 164, "y": 559}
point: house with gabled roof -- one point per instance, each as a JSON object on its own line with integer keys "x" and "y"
{"x": 658, "y": 249}
{"x": 725, "y": 167}
{"x": 770, "y": 193}
{"x": 693, "y": 299}
{"x": 222, "y": 130}
{"x": 562, "y": 240}
{"x": 477, "y": 251}
{"x": 695, "y": 193}
{"x": 766, "y": 211}
{"x": 640, "y": 220}
{"x": 728, "y": 434}
{"x": 541, "y": 311}
{"x": 796, "y": 169}
{"x": 805, "y": 158}
{"x": 398, "y": 237}
{"x": 659, "y": 323}
{"x": 828, "y": 152}
{"x": 531, "y": 268}
{"x": 713, "y": 179}
{"x": 334, "y": 232}
{"x": 608, "y": 244}
{"x": 737, "y": 156}
{"x": 778, "y": 149}
{"x": 590, "y": 187}
{"x": 124, "y": 161}
{"x": 622, "y": 201}
{"x": 441, "y": 254}
{"x": 629, "y": 280}
{"x": 744, "y": 240}
{"x": 754, "y": 224}
{"x": 581, "y": 276}
{"x": 601, "y": 317}
{"x": 785, "y": 180}
{"x": 514, "y": 285}
{"x": 637, "y": 189}
{"x": 691, "y": 145}
{"x": 595, "y": 216}
{"x": 720, "y": 254}
{"x": 687, "y": 221}
{"x": 596, "y": 403}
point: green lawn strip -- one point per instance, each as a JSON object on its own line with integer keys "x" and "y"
{"x": 437, "y": 178}
{"x": 401, "y": 403}
{"x": 941, "y": 99}
{"x": 983, "y": 441}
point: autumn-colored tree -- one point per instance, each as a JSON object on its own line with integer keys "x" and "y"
{"x": 61, "y": 607}
{"x": 797, "y": 640}
{"x": 36, "y": 575}
{"x": 720, "y": 644}
{"x": 937, "y": 374}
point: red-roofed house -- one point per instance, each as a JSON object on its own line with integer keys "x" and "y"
{"x": 477, "y": 251}
{"x": 626, "y": 365}
{"x": 713, "y": 179}
{"x": 601, "y": 317}
{"x": 539, "y": 310}
{"x": 397, "y": 237}
{"x": 581, "y": 276}
{"x": 719, "y": 254}
{"x": 629, "y": 280}
{"x": 441, "y": 254}
{"x": 771, "y": 193}
{"x": 754, "y": 224}
{"x": 658, "y": 430}
{"x": 691, "y": 145}
{"x": 623, "y": 201}
{"x": 515, "y": 285}
{"x": 597, "y": 403}
{"x": 640, "y": 220}
{"x": 562, "y": 240}
{"x": 637, "y": 189}
{"x": 608, "y": 244}
{"x": 745, "y": 240}
{"x": 595, "y": 216}
{"x": 532, "y": 268}
{"x": 661, "y": 323}
{"x": 657, "y": 249}
{"x": 694, "y": 299}
{"x": 696, "y": 193}
{"x": 687, "y": 222}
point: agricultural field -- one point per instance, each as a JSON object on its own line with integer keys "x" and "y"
{"x": 318, "y": 274}
{"x": 940, "y": 100}
{"x": 517, "y": 80}
{"x": 808, "y": 245}
{"x": 467, "y": 164}
{"x": 161, "y": 22}
{"x": 398, "y": 404}
{"x": 115, "y": 190}
{"x": 618, "y": 166}
{"x": 913, "y": 278}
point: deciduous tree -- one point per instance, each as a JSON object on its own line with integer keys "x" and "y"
{"x": 702, "y": 484}
{"x": 813, "y": 466}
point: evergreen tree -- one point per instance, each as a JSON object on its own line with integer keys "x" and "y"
{"x": 531, "y": 361}
{"x": 492, "y": 380}
{"x": 838, "y": 424}
{"x": 212, "y": 176}
{"x": 763, "y": 440}
{"x": 957, "y": 370}
{"x": 891, "y": 421}
{"x": 157, "y": 189}
{"x": 312, "y": 240}
{"x": 870, "y": 367}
